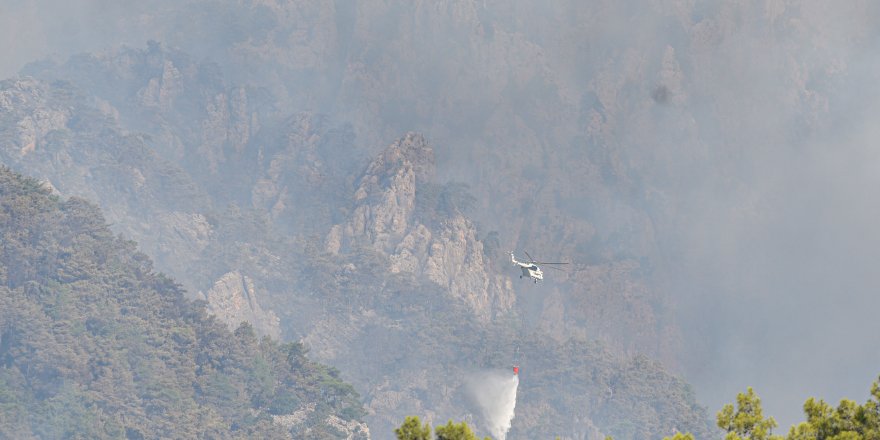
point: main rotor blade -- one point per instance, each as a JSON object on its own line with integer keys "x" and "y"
{"x": 555, "y": 268}
{"x": 544, "y": 262}
{"x": 531, "y": 260}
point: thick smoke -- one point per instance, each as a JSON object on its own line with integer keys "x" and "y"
{"x": 38, "y": 29}
{"x": 747, "y": 129}
{"x": 495, "y": 394}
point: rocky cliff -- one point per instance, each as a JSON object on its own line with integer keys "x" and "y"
{"x": 75, "y": 145}
{"x": 448, "y": 253}
{"x": 526, "y": 125}
{"x": 193, "y": 117}
{"x": 233, "y": 300}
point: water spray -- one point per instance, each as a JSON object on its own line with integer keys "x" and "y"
{"x": 495, "y": 394}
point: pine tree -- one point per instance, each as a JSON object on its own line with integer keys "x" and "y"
{"x": 456, "y": 431}
{"x": 747, "y": 422}
{"x": 412, "y": 429}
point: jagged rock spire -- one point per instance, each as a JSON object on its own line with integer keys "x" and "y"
{"x": 449, "y": 254}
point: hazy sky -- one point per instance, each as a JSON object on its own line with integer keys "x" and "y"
{"x": 36, "y": 29}
{"x": 788, "y": 292}
{"x": 780, "y": 263}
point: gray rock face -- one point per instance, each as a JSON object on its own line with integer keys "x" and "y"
{"x": 349, "y": 430}
{"x": 178, "y": 237}
{"x": 146, "y": 197}
{"x": 448, "y": 254}
{"x": 387, "y": 193}
{"x": 455, "y": 260}
{"x": 233, "y": 300}
{"x": 31, "y": 128}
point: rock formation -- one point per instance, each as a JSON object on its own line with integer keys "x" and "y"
{"x": 79, "y": 151}
{"x": 233, "y": 300}
{"x": 448, "y": 253}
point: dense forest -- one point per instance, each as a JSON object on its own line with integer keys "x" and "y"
{"x": 94, "y": 343}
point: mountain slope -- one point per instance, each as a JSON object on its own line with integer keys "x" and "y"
{"x": 75, "y": 142}
{"x": 384, "y": 276}
{"x": 95, "y": 344}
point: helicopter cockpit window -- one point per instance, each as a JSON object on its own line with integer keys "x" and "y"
{"x": 533, "y": 267}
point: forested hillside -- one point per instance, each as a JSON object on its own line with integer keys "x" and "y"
{"x": 95, "y": 344}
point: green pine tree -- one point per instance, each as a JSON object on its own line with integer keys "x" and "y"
{"x": 412, "y": 429}
{"x": 747, "y": 422}
{"x": 849, "y": 421}
{"x": 456, "y": 431}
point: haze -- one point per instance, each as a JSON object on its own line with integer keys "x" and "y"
{"x": 729, "y": 146}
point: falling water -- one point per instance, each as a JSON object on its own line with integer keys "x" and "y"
{"x": 495, "y": 393}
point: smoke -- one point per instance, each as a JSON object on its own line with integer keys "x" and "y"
{"x": 38, "y": 29}
{"x": 745, "y": 129}
{"x": 495, "y": 394}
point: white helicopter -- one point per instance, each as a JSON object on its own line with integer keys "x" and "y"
{"x": 531, "y": 269}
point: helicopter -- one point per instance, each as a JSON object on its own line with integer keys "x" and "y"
{"x": 531, "y": 268}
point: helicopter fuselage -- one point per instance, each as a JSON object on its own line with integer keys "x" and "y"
{"x": 530, "y": 270}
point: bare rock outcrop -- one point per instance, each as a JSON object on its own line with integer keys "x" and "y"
{"x": 162, "y": 90}
{"x": 349, "y": 429}
{"x": 455, "y": 260}
{"x": 386, "y": 196}
{"x": 448, "y": 253}
{"x": 233, "y": 299}
{"x": 31, "y": 128}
